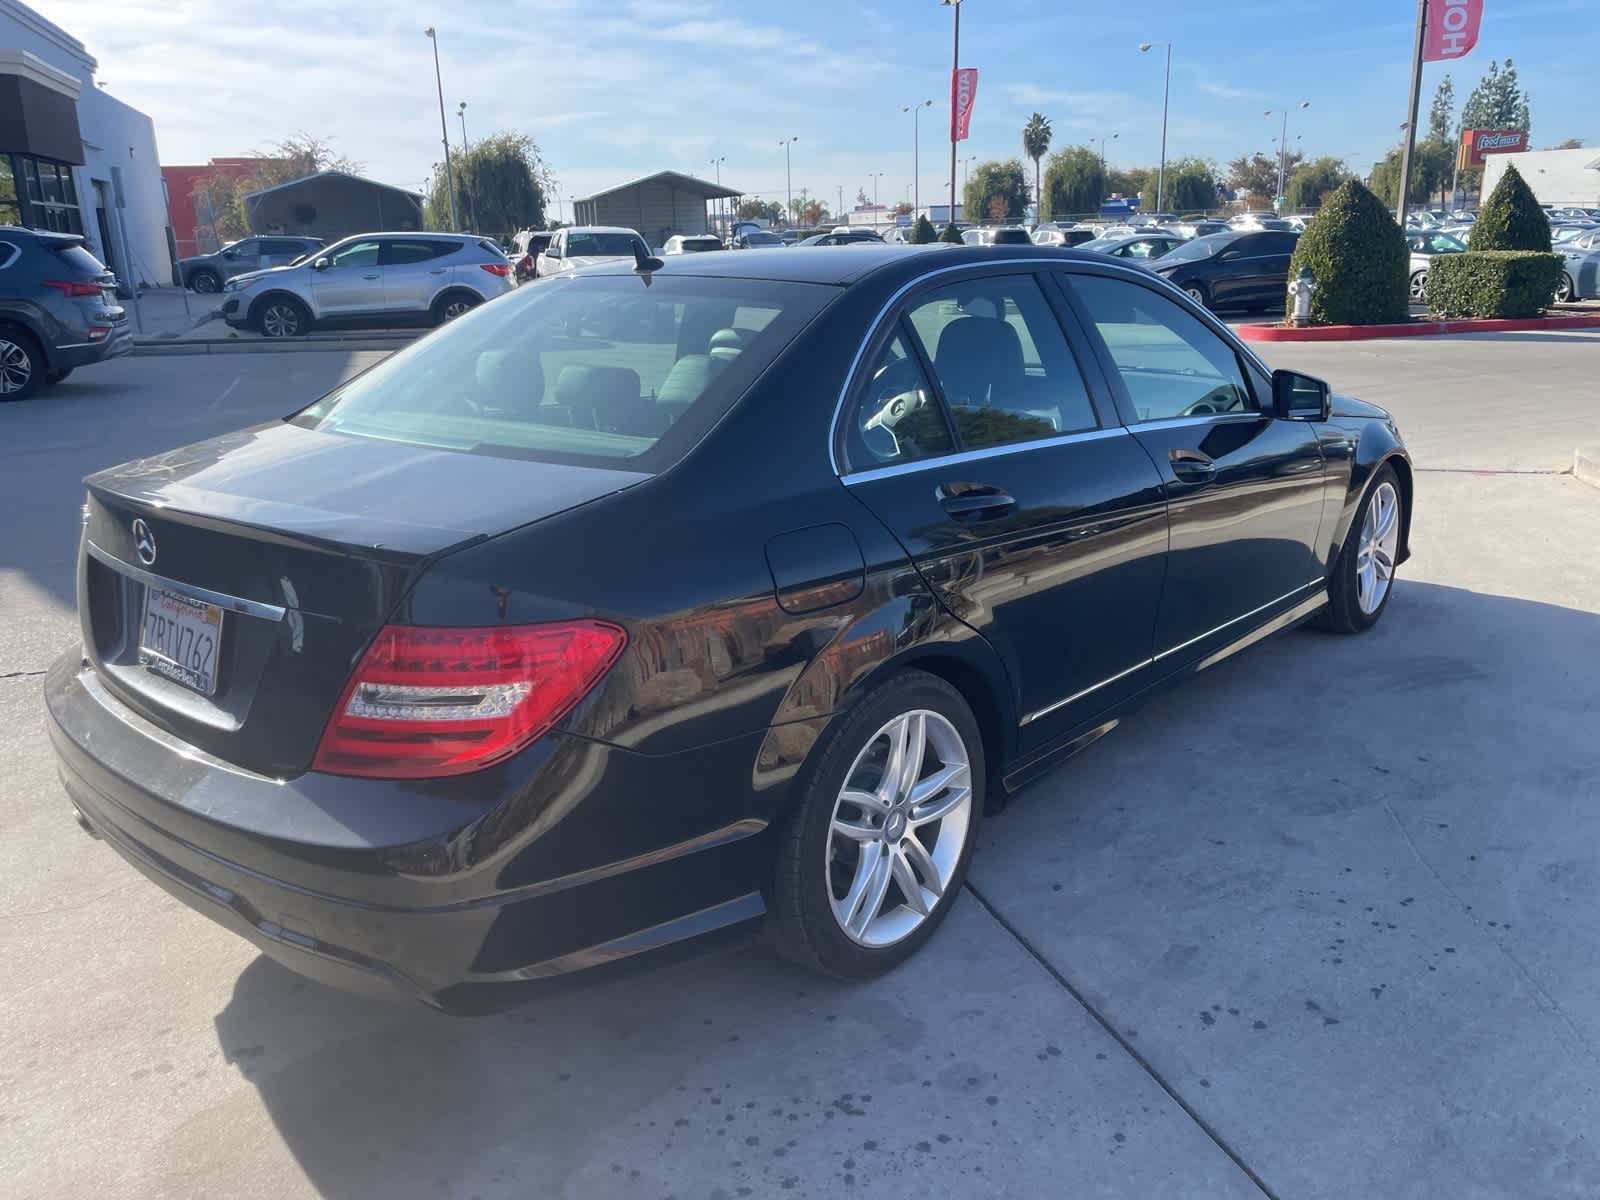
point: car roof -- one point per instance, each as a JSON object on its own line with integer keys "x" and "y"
{"x": 601, "y": 229}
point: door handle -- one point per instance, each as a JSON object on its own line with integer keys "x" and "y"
{"x": 974, "y": 502}
{"x": 372, "y": 277}
{"x": 436, "y": 271}
{"x": 1192, "y": 466}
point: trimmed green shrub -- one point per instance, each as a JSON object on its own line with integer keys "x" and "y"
{"x": 922, "y": 232}
{"x": 951, "y": 234}
{"x": 1358, "y": 257}
{"x": 1511, "y": 219}
{"x": 1493, "y": 283}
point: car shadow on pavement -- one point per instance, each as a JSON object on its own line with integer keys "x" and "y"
{"x": 1223, "y": 821}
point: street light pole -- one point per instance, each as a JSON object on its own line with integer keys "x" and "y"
{"x": 916, "y": 149}
{"x": 1166, "y": 94}
{"x": 788, "y": 185}
{"x": 1103, "y": 142}
{"x": 1411, "y": 121}
{"x": 444, "y": 129}
{"x": 720, "y": 206}
{"x": 461, "y": 111}
{"x": 1283, "y": 144}
{"x": 955, "y": 65}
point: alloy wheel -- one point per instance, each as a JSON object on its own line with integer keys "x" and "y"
{"x": 280, "y": 320}
{"x": 898, "y": 828}
{"x": 455, "y": 308}
{"x": 205, "y": 281}
{"x": 1197, "y": 294}
{"x": 16, "y": 368}
{"x": 1380, "y": 541}
{"x": 1565, "y": 291}
{"x": 1419, "y": 287}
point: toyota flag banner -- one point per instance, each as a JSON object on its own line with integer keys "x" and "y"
{"x": 1452, "y": 29}
{"x": 963, "y": 90}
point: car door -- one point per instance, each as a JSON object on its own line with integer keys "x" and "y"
{"x": 1244, "y": 489}
{"x": 550, "y": 260}
{"x": 241, "y": 257}
{"x": 278, "y": 252}
{"x": 1269, "y": 268}
{"x": 1037, "y": 519}
{"x": 414, "y": 271}
{"x": 1233, "y": 282}
{"x": 352, "y": 282}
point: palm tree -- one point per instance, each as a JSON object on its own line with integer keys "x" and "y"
{"x": 1035, "y": 142}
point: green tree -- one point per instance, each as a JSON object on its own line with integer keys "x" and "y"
{"x": 1308, "y": 185}
{"x": 1191, "y": 186}
{"x": 1006, "y": 181}
{"x": 293, "y": 158}
{"x": 1358, "y": 257}
{"x": 1511, "y": 218}
{"x": 1498, "y": 102}
{"x": 950, "y": 234}
{"x": 1431, "y": 166}
{"x": 1036, "y": 144}
{"x": 1130, "y": 181}
{"x": 1257, "y": 174}
{"x": 502, "y": 186}
{"x": 1442, "y": 116}
{"x": 922, "y": 232}
{"x": 1074, "y": 182}
{"x": 763, "y": 210}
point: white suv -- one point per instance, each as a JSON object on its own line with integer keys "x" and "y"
{"x": 372, "y": 278}
{"x": 581, "y": 246}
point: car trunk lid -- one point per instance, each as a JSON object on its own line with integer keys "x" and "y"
{"x": 306, "y": 541}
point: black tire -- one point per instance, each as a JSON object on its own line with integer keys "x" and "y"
{"x": 1344, "y": 613}
{"x": 280, "y": 316}
{"x": 1199, "y": 293}
{"x": 801, "y": 923}
{"x": 453, "y": 304}
{"x": 22, "y": 365}
{"x": 205, "y": 281}
{"x": 1419, "y": 287}
{"x": 1566, "y": 290}
{"x": 57, "y": 374}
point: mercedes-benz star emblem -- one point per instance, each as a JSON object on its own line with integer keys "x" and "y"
{"x": 144, "y": 542}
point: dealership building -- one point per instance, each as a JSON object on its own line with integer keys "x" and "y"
{"x": 1557, "y": 177}
{"x": 74, "y": 158}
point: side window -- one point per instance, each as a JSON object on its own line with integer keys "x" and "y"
{"x": 246, "y": 249}
{"x": 355, "y": 254}
{"x": 400, "y": 253}
{"x": 1171, "y": 364}
{"x": 895, "y": 418}
{"x": 1003, "y": 363}
{"x": 1277, "y": 243}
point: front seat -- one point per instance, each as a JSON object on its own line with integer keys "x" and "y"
{"x": 979, "y": 362}
{"x": 604, "y": 398}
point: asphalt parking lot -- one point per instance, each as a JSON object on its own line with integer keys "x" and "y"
{"x": 1323, "y": 923}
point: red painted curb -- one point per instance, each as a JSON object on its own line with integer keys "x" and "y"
{"x": 1354, "y": 333}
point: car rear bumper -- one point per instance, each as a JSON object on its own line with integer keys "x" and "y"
{"x": 81, "y": 354}
{"x": 460, "y": 897}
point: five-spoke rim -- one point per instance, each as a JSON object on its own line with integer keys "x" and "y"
{"x": 16, "y": 368}
{"x": 898, "y": 828}
{"x": 1419, "y": 286}
{"x": 280, "y": 321}
{"x": 1375, "y": 555}
{"x": 455, "y": 308}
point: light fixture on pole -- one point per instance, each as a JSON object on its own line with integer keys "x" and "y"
{"x": 718, "y": 206}
{"x": 1103, "y": 141}
{"x": 1283, "y": 142}
{"x": 788, "y": 185}
{"x": 874, "y": 176}
{"x": 461, "y": 111}
{"x": 1166, "y": 93}
{"x": 916, "y": 149}
{"x": 955, "y": 65}
{"x": 444, "y": 129}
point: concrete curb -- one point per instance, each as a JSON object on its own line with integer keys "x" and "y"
{"x": 1586, "y": 464}
{"x": 312, "y": 344}
{"x": 1353, "y": 333}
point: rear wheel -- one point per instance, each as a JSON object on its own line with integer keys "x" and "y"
{"x": 453, "y": 304}
{"x": 1566, "y": 290}
{"x": 22, "y": 368}
{"x": 205, "y": 281}
{"x": 282, "y": 316}
{"x": 1419, "y": 287}
{"x": 1197, "y": 292}
{"x": 871, "y": 861}
{"x": 1363, "y": 577}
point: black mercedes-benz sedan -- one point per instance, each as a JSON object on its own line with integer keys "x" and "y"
{"x": 646, "y": 604}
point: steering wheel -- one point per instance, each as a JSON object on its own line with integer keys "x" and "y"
{"x": 1221, "y": 399}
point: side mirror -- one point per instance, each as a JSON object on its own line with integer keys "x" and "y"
{"x": 1297, "y": 397}
{"x": 229, "y": 255}
{"x": 1227, "y": 256}
{"x": 553, "y": 251}
{"x": 320, "y": 265}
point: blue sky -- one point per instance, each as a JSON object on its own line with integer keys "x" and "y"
{"x": 616, "y": 90}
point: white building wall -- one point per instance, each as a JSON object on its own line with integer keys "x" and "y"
{"x": 114, "y": 135}
{"x": 1558, "y": 177}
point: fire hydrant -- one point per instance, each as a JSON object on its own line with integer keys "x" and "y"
{"x": 1301, "y": 289}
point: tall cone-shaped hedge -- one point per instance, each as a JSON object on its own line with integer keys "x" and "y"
{"x": 1358, "y": 257}
{"x": 1511, "y": 219}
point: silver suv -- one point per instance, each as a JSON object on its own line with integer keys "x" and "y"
{"x": 373, "y": 278}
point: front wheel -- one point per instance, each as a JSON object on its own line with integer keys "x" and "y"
{"x": 280, "y": 316}
{"x": 206, "y": 282}
{"x": 1198, "y": 293}
{"x": 1363, "y": 576}
{"x": 871, "y": 860}
{"x": 1419, "y": 287}
{"x": 1566, "y": 291}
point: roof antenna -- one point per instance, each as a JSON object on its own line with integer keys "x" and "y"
{"x": 644, "y": 262}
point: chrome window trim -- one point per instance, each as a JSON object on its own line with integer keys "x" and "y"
{"x": 877, "y": 323}
{"x": 1062, "y": 703}
{"x": 963, "y": 456}
{"x": 238, "y": 604}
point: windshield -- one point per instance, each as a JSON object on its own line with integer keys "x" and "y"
{"x": 1100, "y": 243}
{"x": 596, "y": 368}
{"x": 601, "y": 245}
{"x": 762, "y": 239}
{"x": 1439, "y": 243}
{"x": 1199, "y": 248}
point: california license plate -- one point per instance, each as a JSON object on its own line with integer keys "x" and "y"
{"x": 179, "y": 639}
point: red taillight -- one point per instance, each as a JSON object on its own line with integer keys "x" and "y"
{"x": 500, "y": 269}
{"x": 70, "y": 287}
{"x": 435, "y": 700}
{"x": 96, "y": 332}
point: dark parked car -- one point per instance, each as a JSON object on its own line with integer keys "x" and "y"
{"x": 208, "y": 272}
{"x": 643, "y": 607}
{"x": 58, "y": 310}
{"x": 1243, "y": 269}
{"x": 1141, "y": 246}
{"x": 1011, "y": 235}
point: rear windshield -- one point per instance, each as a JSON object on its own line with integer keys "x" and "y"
{"x": 80, "y": 261}
{"x": 598, "y": 245}
{"x": 763, "y": 239}
{"x": 596, "y": 369}
{"x": 696, "y": 244}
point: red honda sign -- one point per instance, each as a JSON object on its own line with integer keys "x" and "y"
{"x": 1452, "y": 29}
{"x": 963, "y": 91}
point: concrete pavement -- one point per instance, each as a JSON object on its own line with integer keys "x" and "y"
{"x": 1321, "y": 923}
